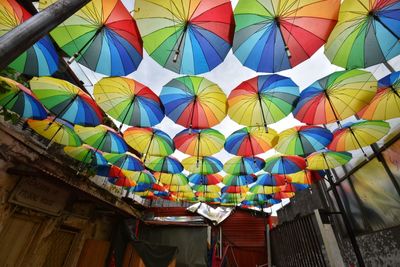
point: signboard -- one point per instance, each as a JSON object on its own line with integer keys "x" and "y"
{"x": 38, "y": 194}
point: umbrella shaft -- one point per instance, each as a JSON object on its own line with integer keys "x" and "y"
{"x": 178, "y": 50}
{"x": 85, "y": 45}
{"x": 127, "y": 112}
{"x": 262, "y": 113}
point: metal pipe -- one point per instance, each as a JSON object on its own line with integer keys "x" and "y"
{"x": 22, "y": 37}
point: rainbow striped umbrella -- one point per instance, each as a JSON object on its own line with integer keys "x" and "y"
{"x": 234, "y": 189}
{"x": 166, "y": 164}
{"x": 250, "y": 141}
{"x": 205, "y": 179}
{"x": 239, "y": 180}
{"x": 189, "y": 37}
{"x": 194, "y": 102}
{"x": 102, "y": 137}
{"x": 67, "y": 101}
{"x": 19, "y": 99}
{"x": 169, "y": 179}
{"x": 293, "y": 187}
{"x": 179, "y": 188}
{"x": 284, "y": 164}
{"x": 126, "y": 161}
{"x": 231, "y": 199}
{"x": 386, "y": 103}
{"x": 102, "y": 36}
{"x": 303, "y": 140}
{"x": 326, "y": 159}
{"x": 204, "y": 142}
{"x": 281, "y": 195}
{"x": 202, "y": 165}
{"x": 86, "y": 154}
{"x": 39, "y": 60}
{"x": 263, "y": 189}
{"x": 244, "y": 165}
{"x": 305, "y": 177}
{"x": 366, "y": 34}
{"x": 115, "y": 176}
{"x": 140, "y": 177}
{"x": 335, "y": 97}
{"x": 267, "y": 179}
{"x": 128, "y": 101}
{"x": 262, "y": 100}
{"x": 206, "y": 188}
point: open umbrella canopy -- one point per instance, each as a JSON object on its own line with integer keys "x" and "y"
{"x": 86, "y": 154}
{"x": 149, "y": 141}
{"x": 102, "y": 36}
{"x": 204, "y": 142}
{"x": 251, "y": 141}
{"x": 267, "y": 179}
{"x": 57, "y": 131}
{"x": 19, "y": 99}
{"x": 206, "y": 188}
{"x": 234, "y": 189}
{"x": 282, "y": 195}
{"x": 189, "y": 37}
{"x": 335, "y": 97}
{"x": 243, "y": 165}
{"x": 194, "y": 102}
{"x": 67, "y": 101}
{"x": 305, "y": 177}
{"x": 239, "y": 180}
{"x": 366, "y": 34}
{"x": 166, "y": 164}
{"x": 128, "y": 101}
{"x": 386, "y": 103}
{"x": 205, "y": 179}
{"x": 303, "y": 140}
{"x": 293, "y": 187}
{"x": 326, "y": 159}
{"x": 126, "y": 161}
{"x": 284, "y": 164}
{"x": 273, "y": 35}
{"x": 262, "y": 100}
{"x": 140, "y": 177}
{"x": 39, "y": 60}
{"x": 169, "y": 179}
{"x": 179, "y": 188}
{"x": 264, "y": 189}
{"x": 202, "y": 165}
{"x": 232, "y": 199}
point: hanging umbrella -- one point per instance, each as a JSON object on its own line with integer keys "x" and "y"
{"x": 263, "y": 189}
{"x": 356, "y": 135}
{"x": 335, "y": 97}
{"x": 267, "y": 179}
{"x": 234, "y": 189}
{"x": 208, "y": 197}
{"x": 140, "y": 177}
{"x": 367, "y": 33}
{"x": 250, "y": 141}
{"x": 66, "y": 101}
{"x": 239, "y": 180}
{"x": 179, "y": 188}
{"x": 202, "y": 165}
{"x": 293, "y": 187}
{"x": 326, "y": 159}
{"x": 243, "y": 165}
{"x": 186, "y": 196}
{"x": 205, "y": 179}
{"x": 169, "y": 179}
{"x": 205, "y": 142}
{"x": 126, "y": 161}
{"x": 19, "y": 99}
{"x": 164, "y": 164}
{"x": 273, "y": 35}
{"x": 305, "y": 177}
{"x": 149, "y": 141}
{"x": 86, "y": 154}
{"x": 257, "y": 199}
{"x": 282, "y": 195}
{"x": 39, "y": 60}
{"x": 231, "y": 199}
{"x": 128, "y": 101}
{"x": 386, "y": 103}
{"x": 102, "y": 36}
{"x": 282, "y": 164}
{"x": 115, "y": 176}
{"x": 206, "y": 188}
{"x": 262, "y": 100}
{"x": 303, "y": 140}
{"x": 59, "y": 131}
{"x": 194, "y": 102}
{"x": 102, "y": 138}
{"x": 189, "y": 37}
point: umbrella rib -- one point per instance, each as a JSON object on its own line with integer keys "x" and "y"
{"x": 127, "y": 111}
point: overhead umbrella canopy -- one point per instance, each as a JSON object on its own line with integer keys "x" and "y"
{"x": 166, "y": 164}
{"x": 366, "y": 34}
{"x": 274, "y": 35}
{"x": 86, "y": 154}
{"x": 267, "y": 179}
{"x": 205, "y": 179}
{"x": 305, "y": 177}
{"x": 140, "y": 177}
{"x": 234, "y": 189}
{"x": 202, "y": 165}
{"x": 206, "y": 188}
{"x": 284, "y": 164}
{"x": 126, "y": 161}
{"x": 239, "y": 180}
{"x": 39, "y": 60}
{"x": 189, "y": 37}
{"x": 102, "y": 36}
{"x": 204, "y": 142}
{"x": 194, "y": 102}
{"x": 326, "y": 159}
{"x": 243, "y": 165}
{"x": 169, "y": 179}
{"x": 128, "y": 101}
{"x": 263, "y": 189}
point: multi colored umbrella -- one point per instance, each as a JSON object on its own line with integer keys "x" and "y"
{"x": 303, "y": 140}
{"x": 102, "y": 138}
{"x": 267, "y": 179}
{"x": 281, "y": 195}
{"x": 67, "y": 101}
{"x": 194, "y": 102}
{"x": 356, "y": 135}
{"x": 326, "y": 159}
{"x": 169, "y": 179}
{"x": 262, "y": 100}
{"x": 179, "y": 188}
{"x": 39, "y": 60}
{"x": 305, "y": 177}
{"x": 86, "y": 154}
{"x": 366, "y": 34}
{"x": 115, "y": 176}
{"x": 189, "y": 37}
{"x": 335, "y": 97}
{"x": 239, "y": 180}
{"x": 19, "y": 99}
{"x": 282, "y": 164}
{"x": 251, "y": 141}
{"x": 293, "y": 187}
{"x": 202, "y": 165}
{"x": 59, "y": 131}
{"x": 128, "y": 101}
{"x": 166, "y": 164}
{"x": 205, "y": 179}
{"x": 149, "y": 141}
{"x": 263, "y": 189}
{"x": 243, "y": 165}
{"x": 140, "y": 177}
{"x": 386, "y": 103}
{"x": 126, "y": 161}
{"x": 231, "y": 199}
{"x": 271, "y": 35}
{"x": 204, "y": 142}
{"x": 206, "y": 188}
{"x": 234, "y": 189}
{"x": 102, "y": 36}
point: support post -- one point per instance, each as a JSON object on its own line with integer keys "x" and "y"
{"x": 19, "y": 39}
